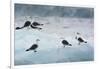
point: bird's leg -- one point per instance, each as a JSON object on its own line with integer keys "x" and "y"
{"x": 79, "y": 43}
{"x": 28, "y": 27}
{"x": 35, "y": 51}
{"x": 64, "y": 46}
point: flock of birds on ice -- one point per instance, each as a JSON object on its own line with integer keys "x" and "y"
{"x": 35, "y": 25}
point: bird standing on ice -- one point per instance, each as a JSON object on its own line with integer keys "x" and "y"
{"x": 34, "y": 46}
{"x": 80, "y": 39}
{"x": 65, "y": 43}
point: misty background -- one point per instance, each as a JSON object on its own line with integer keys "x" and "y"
{"x": 47, "y": 10}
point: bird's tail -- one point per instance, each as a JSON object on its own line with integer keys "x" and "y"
{"x": 41, "y": 24}
{"x": 70, "y": 44}
{"x": 85, "y": 41}
{"x": 27, "y": 50}
{"x": 39, "y": 28}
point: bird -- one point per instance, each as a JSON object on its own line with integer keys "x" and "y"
{"x": 34, "y": 46}
{"x": 36, "y": 24}
{"x": 65, "y": 42}
{"x": 80, "y": 40}
{"x": 34, "y": 27}
{"x": 27, "y": 24}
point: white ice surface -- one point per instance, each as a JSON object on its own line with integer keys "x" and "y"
{"x": 50, "y": 48}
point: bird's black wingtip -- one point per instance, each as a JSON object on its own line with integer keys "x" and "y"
{"x": 27, "y": 50}
{"x": 70, "y": 44}
{"x": 42, "y": 24}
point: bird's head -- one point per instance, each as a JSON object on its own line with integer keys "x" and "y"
{"x": 37, "y": 39}
{"x": 78, "y": 33}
